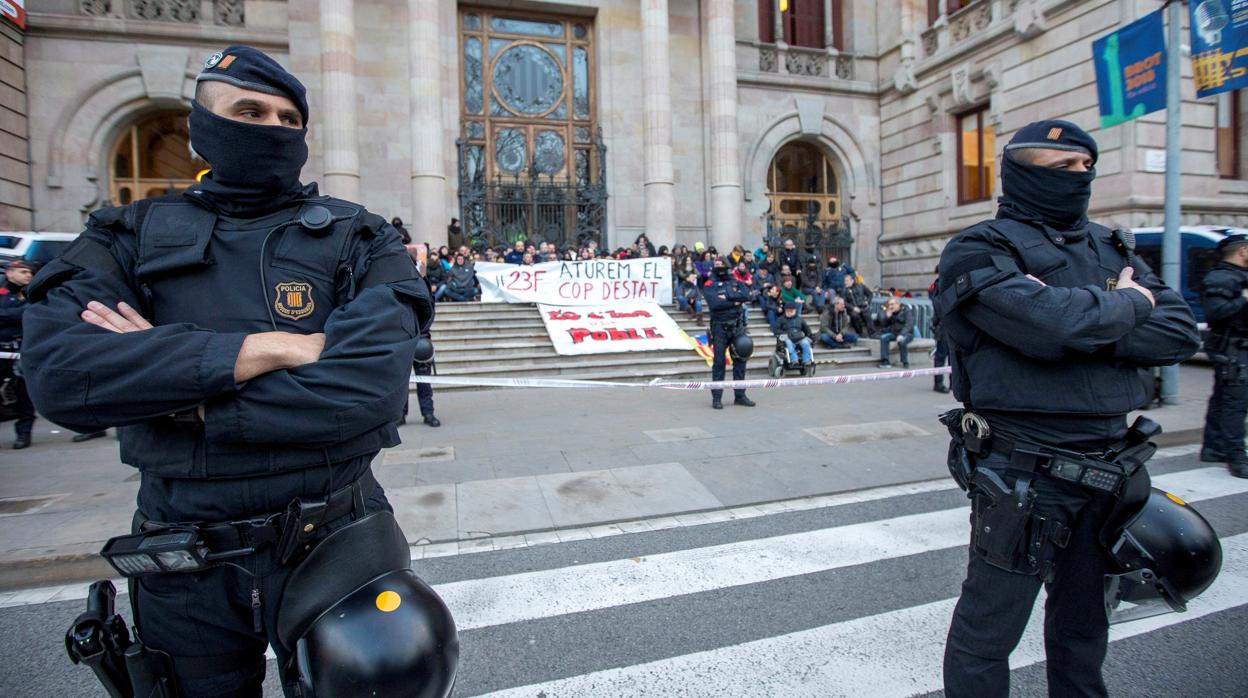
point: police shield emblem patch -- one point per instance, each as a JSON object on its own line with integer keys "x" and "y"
{"x": 294, "y": 299}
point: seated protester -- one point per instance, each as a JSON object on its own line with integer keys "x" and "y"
{"x": 834, "y": 326}
{"x": 898, "y": 324}
{"x": 857, "y": 304}
{"x": 790, "y": 293}
{"x": 644, "y": 242}
{"x": 834, "y": 274}
{"x": 516, "y": 254}
{"x": 773, "y": 306}
{"x": 689, "y": 295}
{"x": 461, "y": 281}
{"x": 762, "y": 281}
{"x": 812, "y": 287}
{"x": 760, "y": 252}
{"x": 736, "y": 256}
{"x": 703, "y": 265}
{"x": 796, "y": 335}
{"x": 751, "y": 262}
{"x": 743, "y": 276}
{"x": 435, "y": 275}
{"x": 768, "y": 260}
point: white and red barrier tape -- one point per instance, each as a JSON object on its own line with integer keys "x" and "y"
{"x": 487, "y": 381}
{"x": 490, "y": 382}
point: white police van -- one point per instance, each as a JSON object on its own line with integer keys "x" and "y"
{"x": 40, "y": 248}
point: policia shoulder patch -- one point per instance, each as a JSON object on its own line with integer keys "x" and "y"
{"x": 294, "y": 299}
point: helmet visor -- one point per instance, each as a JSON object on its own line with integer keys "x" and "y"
{"x": 1136, "y": 595}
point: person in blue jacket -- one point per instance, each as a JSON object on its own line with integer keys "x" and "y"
{"x": 252, "y": 341}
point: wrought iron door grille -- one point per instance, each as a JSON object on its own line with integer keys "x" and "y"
{"x": 531, "y": 206}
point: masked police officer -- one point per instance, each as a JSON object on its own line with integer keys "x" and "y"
{"x": 725, "y": 296}
{"x": 1047, "y": 324}
{"x": 1226, "y": 307}
{"x": 253, "y": 340}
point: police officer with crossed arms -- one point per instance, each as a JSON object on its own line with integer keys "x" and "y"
{"x": 725, "y": 296}
{"x": 252, "y": 339}
{"x": 1047, "y": 324}
{"x": 1225, "y": 301}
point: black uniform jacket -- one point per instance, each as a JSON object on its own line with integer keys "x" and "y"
{"x": 206, "y": 280}
{"x": 1054, "y": 360}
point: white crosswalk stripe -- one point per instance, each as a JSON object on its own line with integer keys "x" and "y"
{"x": 483, "y": 602}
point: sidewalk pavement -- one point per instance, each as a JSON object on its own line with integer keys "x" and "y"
{"x": 548, "y": 463}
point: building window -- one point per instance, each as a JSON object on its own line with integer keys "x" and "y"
{"x": 951, "y": 6}
{"x": 977, "y": 147}
{"x": 152, "y": 158}
{"x": 802, "y": 22}
{"x": 1230, "y": 128}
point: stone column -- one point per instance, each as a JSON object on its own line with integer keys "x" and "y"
{"x": 778, "y": 20}
{"x": 429, "y": 219}
{"x": 657, "y": 124}
{"x": 829, "y": 24}
{"x": 337, "y": 109}
{"x": 721, "y": 57}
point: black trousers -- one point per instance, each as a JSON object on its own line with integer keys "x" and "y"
{"x": 995, "y": 605}
{"x": 25, "y": 408}
{"x": 940, "y": 357}
{"x": 721, "y": 335}
{"x": 207, "y": 623}
{"x": 424, "y": 391}
{"x": 1228, "y": 406}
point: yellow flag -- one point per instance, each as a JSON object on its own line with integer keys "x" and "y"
{"x": 784, "y": 5}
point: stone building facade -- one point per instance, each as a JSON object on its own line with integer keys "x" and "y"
{"x": 869, "y": 127}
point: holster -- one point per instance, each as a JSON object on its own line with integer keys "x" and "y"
{"x": 958, "y": 459}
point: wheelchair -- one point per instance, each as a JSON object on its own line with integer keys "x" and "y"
{"x": 778, "y": 365}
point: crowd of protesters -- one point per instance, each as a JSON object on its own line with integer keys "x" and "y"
{"x": 777, "y": 278}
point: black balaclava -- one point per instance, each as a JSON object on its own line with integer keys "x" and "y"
{"x": 255, "y": 168}
{"x": 1057, "y": 198}
{"x": 721, "y": 273}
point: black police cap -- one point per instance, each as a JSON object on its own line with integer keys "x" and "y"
{"x": 253, "y": 69}
{"x": 1232, "y": 241}
{"x": 1056, "y": 135}
{"x": 790, "y": 306}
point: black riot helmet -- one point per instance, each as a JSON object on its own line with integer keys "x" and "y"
{"x": 742, "y": 346}
{"x": 358, "y": 622}
{"x": 424, "y": 350}
{"x": 1167, "y": 555}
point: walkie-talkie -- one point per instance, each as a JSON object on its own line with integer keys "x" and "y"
{"x": 1124, "y": 240}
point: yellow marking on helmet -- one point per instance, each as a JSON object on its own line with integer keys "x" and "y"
{"x": 199, "y": 176}
{"x": 1176, "y": 500}
{"x": 388, "y": 601}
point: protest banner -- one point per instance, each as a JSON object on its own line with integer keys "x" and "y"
{"x": 594, "y": 282}
{"x": 1131, "y": 70}
{"x": 610, "y": 328}
{"x": 1219, "y": 45}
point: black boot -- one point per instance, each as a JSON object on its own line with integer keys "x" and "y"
{"x": 79, "y": 438}
{"x": 717, "y": 402}
{"x": 432, "y": 421}
{"x": 1238, "y": 469}
{"x": 22, "y": 441}
{"x": 743, "y": 401}
{"x": 940, "y": 386}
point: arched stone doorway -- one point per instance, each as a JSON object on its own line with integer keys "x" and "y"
{"x": 152, "y": 157}
{"x": 805, "y": 202}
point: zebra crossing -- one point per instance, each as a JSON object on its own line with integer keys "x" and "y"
{"x": 670, "y": 622}
{"x": 848, "y": 599}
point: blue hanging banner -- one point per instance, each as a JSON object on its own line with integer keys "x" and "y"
{"x": 1219, "y": 45}
{"x": 1131, "y": 70}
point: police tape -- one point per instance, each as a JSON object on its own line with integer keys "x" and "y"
{"x": 492, "y": 382}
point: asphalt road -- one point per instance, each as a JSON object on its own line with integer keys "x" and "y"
{"x": 852, "y": 599}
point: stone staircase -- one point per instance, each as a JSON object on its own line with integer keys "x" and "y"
{"x": 510, "y": 341}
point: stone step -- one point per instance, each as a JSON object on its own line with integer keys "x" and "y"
{"x": 536, "y": 358}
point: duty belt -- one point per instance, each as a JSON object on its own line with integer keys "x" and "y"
{"x": 292, "y": 530}
{"x": 1094, "y": 471}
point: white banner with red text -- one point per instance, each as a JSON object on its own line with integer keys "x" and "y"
{"x": 594, "y": 282}
{"x": 616, "y": 327}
